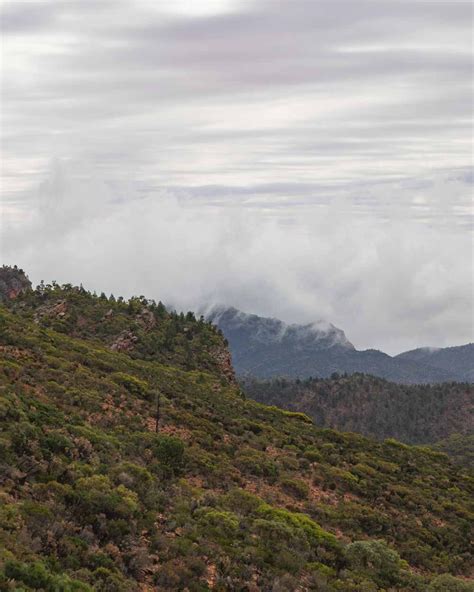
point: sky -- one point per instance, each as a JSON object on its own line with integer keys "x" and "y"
{"x": 301, "y": 159}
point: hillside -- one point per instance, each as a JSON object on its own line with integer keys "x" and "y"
{"x": 266, "y": 348}
{"x": 459, "y": 447}
{"x": 103, "y": 489}
{"x": 416, "y": 414}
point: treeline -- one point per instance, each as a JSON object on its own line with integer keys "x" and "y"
{"x": 416, "y": 414}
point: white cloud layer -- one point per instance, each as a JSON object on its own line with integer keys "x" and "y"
{"x": 290, "y": 157}
{"x": 390, "y": 283}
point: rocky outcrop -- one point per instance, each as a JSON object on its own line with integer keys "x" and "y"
{"x": 13, "y": 282}
{"x": 146, "y": 319}
{"x": 223, "y": 359}
{"x": 125, "y": 342}
{"x": 57, "y": 309}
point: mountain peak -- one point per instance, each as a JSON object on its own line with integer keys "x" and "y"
{"x": 319, "y": 334}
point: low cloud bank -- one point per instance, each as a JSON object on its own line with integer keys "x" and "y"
{"x": 393, "y": 285}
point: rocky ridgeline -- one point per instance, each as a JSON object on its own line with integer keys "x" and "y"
{"x": 138, "y": 327}
{"x": 13, "y": 282}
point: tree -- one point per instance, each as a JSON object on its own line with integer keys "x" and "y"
{"x": 375, "y": 558}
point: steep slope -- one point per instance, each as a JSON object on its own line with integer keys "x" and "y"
{"x": 416, "y": 414}
{"x": 267, "y": 348}
{"x": 104, "y": 490}
{"x": 457, "y": 360}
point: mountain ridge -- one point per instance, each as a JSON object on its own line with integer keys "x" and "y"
{"x": 459, "y": 359}
{"x": 267, "y": 347}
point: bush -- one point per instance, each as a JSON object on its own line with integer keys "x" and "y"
{"x": 57, "y": 442}
{"x": 314, "y": 533}
{"x": 219, "y": 524}
{"x": 95, "y": 495}
{"x": 281, "y": 544}
{"x": 36, "y": 576}
{"x": 448, "y": 583}
{"x": 295, "y": 487}
{"x": 132, "y": 476}
{"x": 376, "y": 559}
{"x": 312, "y": 454}
{"x": 169, "y": 451}
{"x": 242, "y": 502}
{"x": 256, "y": 463}
{"x": 133, "y": 385}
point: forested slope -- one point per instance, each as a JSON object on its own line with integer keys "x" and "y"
{"x": 222, "y": 493}
{"x": 416, "y": 414}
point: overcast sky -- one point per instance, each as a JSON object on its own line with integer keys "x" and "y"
{"x": 302, "y": 159}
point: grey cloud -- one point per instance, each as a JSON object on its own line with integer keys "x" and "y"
{"x": 394, "y": 284}
{"x": 281, "y": 113}
{"x": 24, "y": 17}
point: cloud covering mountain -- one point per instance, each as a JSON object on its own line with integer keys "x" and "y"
{"x": 298, "y": 159}
{"x": 268, "y": 348}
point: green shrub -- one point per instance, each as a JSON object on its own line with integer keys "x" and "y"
{"x": 96, "y": 494}
{"x": 106, "y": 580}
{"x": 37, "y": 576}
{"x": 281, "y": 544}
{"x": 312, "y": 454}
{"x": 448, "y": 583}
{"x": 56, "y": 442}
{"x": 314, "y": 533}
{"x": 24, "y": 437}
{"x": 295, "y": 487}
{"x": 256, "y": 463}
{"x": 133, "y": 476}
{"x": 375, "y": 559}
{"x": 133, "y": 385}
{"x": 242, "y": 502}
{"x": 169, "y": 451}
{"x": 219, "y": 524}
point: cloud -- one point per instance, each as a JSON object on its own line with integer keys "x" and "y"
{"x": 300, "y": 90}
{"x": 297, "y": 158}
{"x": 392, "y": 284}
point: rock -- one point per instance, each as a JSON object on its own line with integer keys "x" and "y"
{"x": 53, "y": 309}
{"x": 146, "y": 319}
{"x": 125, "y": 342}
{"x": 13, "y": 282}
{"x": 224, "y": 360}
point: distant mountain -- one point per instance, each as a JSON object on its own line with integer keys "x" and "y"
{"x": 267, "y": 347}
{"x": 455, "y": 360}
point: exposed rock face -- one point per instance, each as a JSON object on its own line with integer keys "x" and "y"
{"x": 13, "y": 281}
{"x": 125, "y": 342}
{"x": 56, "y": 309}
{"x": 146, "y": 319}
{"x": 224, "y": 360}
